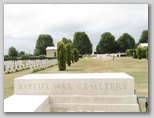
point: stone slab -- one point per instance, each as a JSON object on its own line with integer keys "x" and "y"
{"x": 26, "y": 103}
{"x": 76, "y": 107}
{"x": 75, "y": 84}
{"x": 94, "y": 99}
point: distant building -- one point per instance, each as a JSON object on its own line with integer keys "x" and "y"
{"x": 51, "y": 52}
{"x": 143, "y": 45}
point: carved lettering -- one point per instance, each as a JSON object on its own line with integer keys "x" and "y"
{"x": 33, "y": 86}
{"x": 118, "y": 86}
{"x": 79, "y": 86}
{"x": 125, "y": 84}
{"x": 63, "y": 86}
{"x": 93, "y": 86}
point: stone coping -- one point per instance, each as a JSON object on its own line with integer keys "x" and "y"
{"x": 78, "y": 76}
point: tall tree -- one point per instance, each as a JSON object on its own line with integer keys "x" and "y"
{"x": 82, "y": 43}
{"x": 12, "y": 52}
{"x": 144, "y": 37}
{"x": 75, "y": 54}
{"x": 43, "y": 41}
{"x": 61, "y": 56}
{"x": 106, "y": 44}
{"x": 65, "y": 40}
{"x": 68, "y": 53}
{"x": 126, "y": 41}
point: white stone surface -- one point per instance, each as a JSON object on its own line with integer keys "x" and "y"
{"x": 75, "y": 84}
{"x": 78, "y": 76}
{"x": 76, "y": 107}
{"x": 26, "y": 103}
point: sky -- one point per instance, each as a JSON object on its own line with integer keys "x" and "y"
{"x": 23, "y": 23}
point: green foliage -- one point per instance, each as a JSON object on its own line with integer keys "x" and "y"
{"x": 106, "y": 44}
{"x": 144, "y": 37}
{"x": 76, "y": 54}
{"x": 61, "y": 56}
{"x": 143, "y": 52}
{"x": 12, "y": 52}
{"x": 72, "y": 56}
{"x": 139, "y": 52}
{"x": 42, "y": 56}
{"x": 82, "y": 43}
{"x": 125, "y": 42}
{"x": 134, "y": 55}
{"x": 21, "y": 53}
{"x": 6, "y": 57}
{"x": 147, "y": 52}
{"x": 130, "y": 52}
{"x": 65, "y": 40}
{"x": 42, "y": 43}
{"x": 25, "y": 56}
{"x": 68, "y": 53}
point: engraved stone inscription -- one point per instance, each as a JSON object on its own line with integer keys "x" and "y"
{"x": 78, "y": 86}
{"x": 34, "y": 86}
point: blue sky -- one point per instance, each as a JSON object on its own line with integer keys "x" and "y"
{"x": 23, "y": 23}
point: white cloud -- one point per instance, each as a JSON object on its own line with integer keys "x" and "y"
{"x": 24, "y": 22}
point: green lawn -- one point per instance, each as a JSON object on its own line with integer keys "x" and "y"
{"x": 134, "y": 67}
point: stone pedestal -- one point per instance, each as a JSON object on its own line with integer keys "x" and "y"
{"x": 87, "y": 92}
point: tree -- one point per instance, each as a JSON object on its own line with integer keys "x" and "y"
{"x": 42, "y": 43}
{"x": 21, "y": 53}
{"x": 75, "y": 54}
{"x": 12, "y": 52}
{"x": 68, "y": 53}
{"x": 125, "y": 42}
{"x": 61, "y": 56}
{"x": 107, "y": 44}
{"x": 65, "y": 40}
{"x": 144, "y": 37}
{"x": 82, "y": 43}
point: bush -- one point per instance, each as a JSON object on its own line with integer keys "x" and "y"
{"x": 134, "y": 55}
{"x": 143, "y": 52}
{"x": 139, "y": 52}
{"x": 42, "y": 57}
{"x": 24, "y": 57}
{"x": 68, "y": 53}
{"x": 130, "y": 52}
{"x": 6, "y": 57}
{"x": 75, "y": 54}
{"x": 61, "y": 56}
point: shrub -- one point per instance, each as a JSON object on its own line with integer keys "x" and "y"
{"x": 139, "y": 52}
{"x": 75, "y": 54}
{"x": 6, "y": 57}
{"x": 61, "y": 56}
{"x": 130, "y": 52}
{"x": 143, "y": 52}
{"x": 24, "y": 57}
{"x": 134, "y": 55}
{"x": 68, "y": 53}
{"x": 42, "y": 57}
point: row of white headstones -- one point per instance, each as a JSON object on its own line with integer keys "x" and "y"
{"x": 33, "y": 65}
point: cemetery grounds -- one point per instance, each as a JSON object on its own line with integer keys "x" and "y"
{"x": 134, "y": 67}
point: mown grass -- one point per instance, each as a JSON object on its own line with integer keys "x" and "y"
{"x": 134, "y": 67}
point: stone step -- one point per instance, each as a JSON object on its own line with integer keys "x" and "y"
{"x": 26, "y": 103}
{"x": 97, "y": 99}
{"x": 75, "y": 107}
